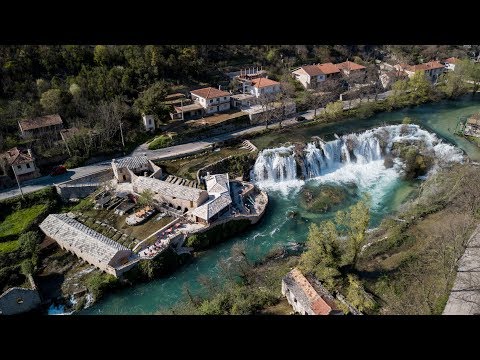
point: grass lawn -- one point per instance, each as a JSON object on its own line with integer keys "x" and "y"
{"x": 188, "y": 167}
{"x": 9, "y": 246}
{"x": 20, "y": 220}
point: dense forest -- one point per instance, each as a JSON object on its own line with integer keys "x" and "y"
{"x": 97, "y": 88}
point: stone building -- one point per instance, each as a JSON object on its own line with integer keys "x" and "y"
{"x": 305, "y": 299}
{"x": 182, "y": 198}
{"x": 472, "y": 126}
{"x": 89, "y": 245}
{"x": 219, "y": 199}
{"x": 139, "y": 165}
{"x": 48, "y": 125}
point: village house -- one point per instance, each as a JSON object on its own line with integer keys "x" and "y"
{"x": 22, "y": 163}
{"x": 138, "y": 165}
{"x": 305, "y": 299}
{"x": 48, "y": 125}
{"x": 310, "y": 76}
{"x": 263, "y": 86}
{"x": 206, "y": 101}
{"x": 388, "y": 78}
{"x": 472, "y": 126}
{"x": 349, "y": 67}
{"x": 98, "y": 250}
{"x": 432, "y": 69}
{"x": 450, "y": 63}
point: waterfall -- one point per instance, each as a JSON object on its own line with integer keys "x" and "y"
{"x": 320, "y": 158}
{"x": 276, "y": 165}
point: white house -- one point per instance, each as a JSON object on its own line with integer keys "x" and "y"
{"x": 263, "y": 86}
{"x": 432, "y": 69}
{"x": 22, "y": 163}
{"x": 212, "y": 100}
{"x": 148, "y": 122}
{"x": 312, "y": 75}
{"x": 450, "y": 63}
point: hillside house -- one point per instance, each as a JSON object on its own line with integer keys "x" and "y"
{"x": 431, "y": 69}
{"x": 450, "y": 63}
{"x": 148, "y": 122}
{"x": 48, "y": 125}
{"x": 263, "y": 86}
{"x": 349, "y": 67}
{"x": 305, "y": 299}
{"x": 22, "y": 163}
{"x": 211, "y": 100}
{"x": 310, "y": 76}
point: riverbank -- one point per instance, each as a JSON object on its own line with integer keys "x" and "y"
{"x": 277, "y": 228}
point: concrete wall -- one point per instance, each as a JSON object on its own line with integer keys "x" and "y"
{"x": 182, "y": 203}
{"x": 18, "y": 300}
{"x": 83, "y": 186}
{"x": 212, "y": 108}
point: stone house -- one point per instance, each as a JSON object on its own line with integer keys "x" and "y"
{"x": 42, "y": 126}
{"x": 19, "y": 300}
{"x": 138, "y": 165}
{"x": 98, "y": 250}
{"x": 219, "y": 199}
{"x": 306, "y": 299}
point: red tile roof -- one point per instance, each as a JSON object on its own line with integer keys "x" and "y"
{"x": 16, "y": 156}
{"x": 40, "y": 122}
{"x": 452, "y": 60}
{"x": 318, "y": 304}
{"x": 312, "y": 70}
{"x": 349, "y": 66}
{"x": 264, "y": 82}
{"x": 425, "y": 66}
{"x": 328, "y": 68}
{"x": 209, "y": 93}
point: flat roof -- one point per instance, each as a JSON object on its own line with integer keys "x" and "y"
{"x": 190, "y": 107}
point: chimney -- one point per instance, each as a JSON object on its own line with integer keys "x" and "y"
{"x": 219, "y": 87}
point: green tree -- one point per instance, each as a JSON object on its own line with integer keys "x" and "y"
{"x": 354, "y": 224}
{"x": 146, "y": 197}
{"x": 357, "y": 296}
{"x": 322, "y": 257}
{"x": 26, "y": 267}
{"x": 470, "y": 71}
{"x": 419, "y": 88}
{"x": 53, "y": 101}
{"x": 151, "y": 100}
{"x": 334, "y": 109}
{"x": 399, "y": 95}
{"x": 101, "y": 55}
{"x": 29, "y": 242}
{"x": 453, "y": 84}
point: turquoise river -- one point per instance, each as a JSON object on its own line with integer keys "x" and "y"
{"x": 386, "y": 189}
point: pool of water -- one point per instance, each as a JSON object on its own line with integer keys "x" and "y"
{"x": 277, "y": 228}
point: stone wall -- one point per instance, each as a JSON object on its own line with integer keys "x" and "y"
{"x": 83, "y": 186}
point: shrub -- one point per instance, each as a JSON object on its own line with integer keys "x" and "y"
{"x": 160, "y": 142}
{"x": 99, "y": 282}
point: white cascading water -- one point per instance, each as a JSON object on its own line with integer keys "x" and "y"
{"x": 352, "y": 158}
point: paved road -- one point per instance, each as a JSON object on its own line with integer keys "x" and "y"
{"x": 166, "y": 153}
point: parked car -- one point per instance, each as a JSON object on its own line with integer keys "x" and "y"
{"x": 300, "y": 118}
{"x": 58, "y": 170}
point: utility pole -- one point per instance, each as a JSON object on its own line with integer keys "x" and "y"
{"x": 121, "y": 134}
{"x": 18, "y": 182}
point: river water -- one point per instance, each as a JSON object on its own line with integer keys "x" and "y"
{"x": 326, "y": 162}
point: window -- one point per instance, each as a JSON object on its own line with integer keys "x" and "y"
{"x": 19, "y": 166}
{"x": 149, "y": 121}
{"x": 211, "y": 101}
{"x": 28, "y": 166}
{"x": 295, "y": 300}
{"x": 225, "y": 98}
{"x": 19, "y": 300}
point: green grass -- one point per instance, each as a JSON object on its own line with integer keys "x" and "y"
{"x": 9, "y": 246}
{"x": 20, "y": 220}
